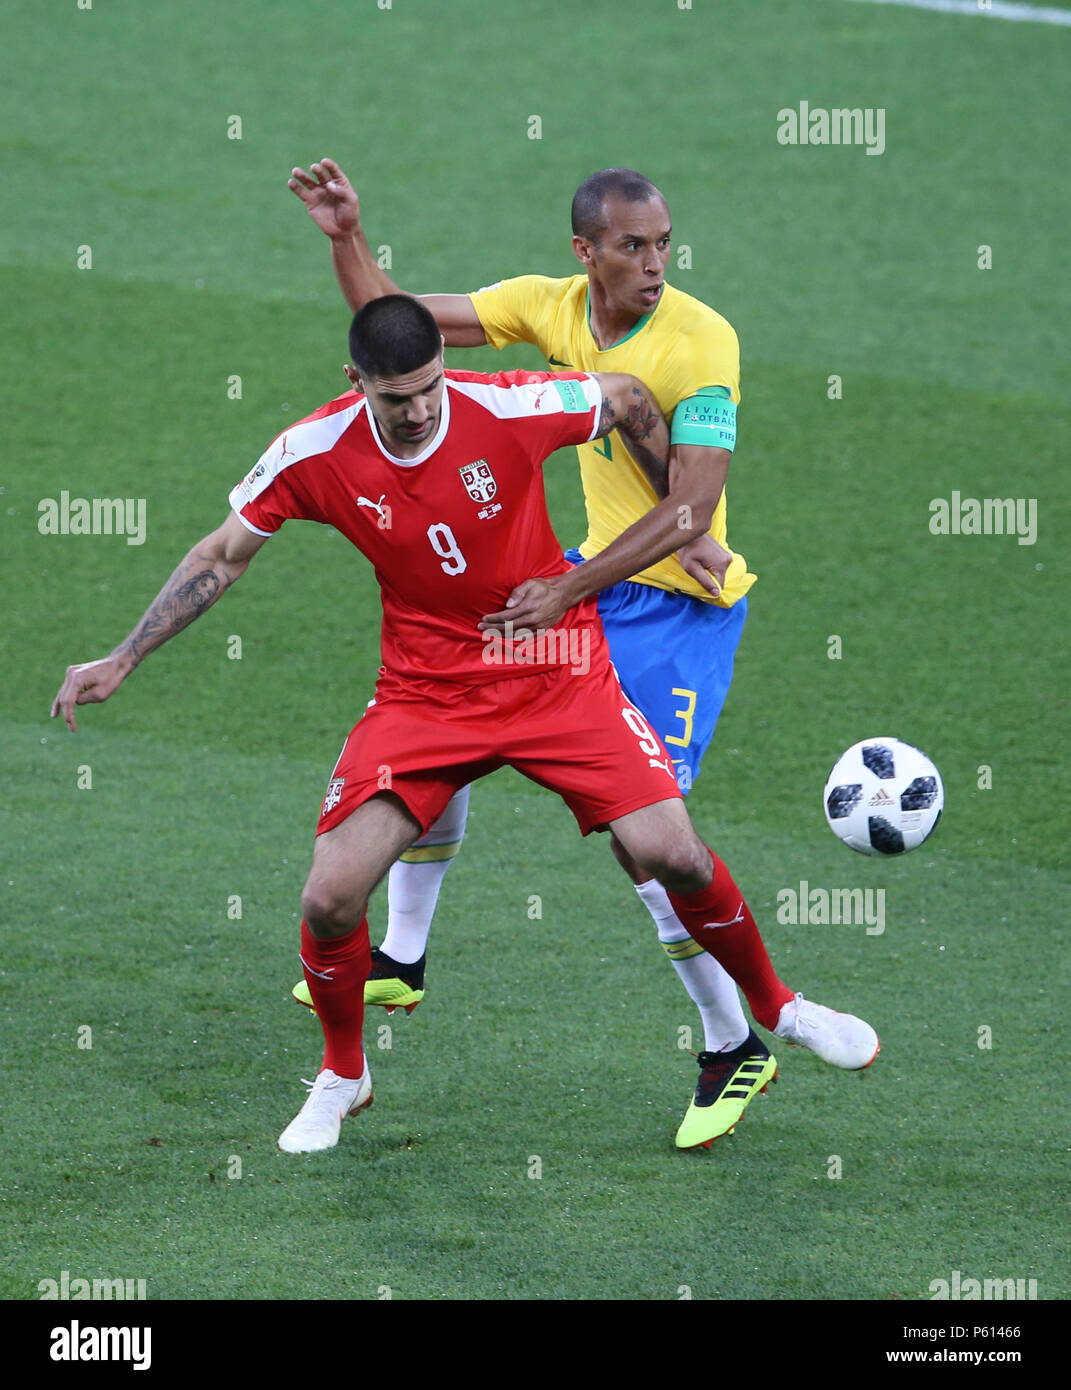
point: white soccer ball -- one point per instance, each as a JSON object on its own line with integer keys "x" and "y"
{"x": 883, "y": 797}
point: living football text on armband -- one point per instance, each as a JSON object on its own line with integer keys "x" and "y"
{"x": 708, "y": 417}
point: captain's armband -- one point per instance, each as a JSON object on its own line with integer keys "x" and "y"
{"x": 708, "y": 417}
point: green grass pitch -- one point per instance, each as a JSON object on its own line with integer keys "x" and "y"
{"x": 151, "y": 1153}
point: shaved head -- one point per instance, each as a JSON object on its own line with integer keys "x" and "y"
{"x": 589, "y": 218}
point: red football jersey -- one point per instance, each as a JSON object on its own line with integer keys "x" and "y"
{"x": 450, "y": 532}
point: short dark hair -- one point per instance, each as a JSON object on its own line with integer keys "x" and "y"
{"x": 393, "y": 336}
{"x": 588, "y": 218}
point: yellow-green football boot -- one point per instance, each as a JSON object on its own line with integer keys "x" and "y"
{"x": 728, "y": 1082}
{"x": 389, "y": 985}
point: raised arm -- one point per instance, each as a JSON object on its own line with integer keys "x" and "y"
{"x": 332, "y": 203}
{"x": 211, "y": 567}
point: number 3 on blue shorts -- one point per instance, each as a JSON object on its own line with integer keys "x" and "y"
{"x": 686, "y": 714}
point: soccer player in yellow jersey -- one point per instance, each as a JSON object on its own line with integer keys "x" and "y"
{"x": 673, "y": 629}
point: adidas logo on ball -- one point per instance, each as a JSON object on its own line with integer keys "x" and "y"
{"x": 883, "y": 797}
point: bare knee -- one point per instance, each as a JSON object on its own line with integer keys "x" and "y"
{"x": 328, "y": 912}
{"x": 683, "y": 867}
{"x": 661, "y": 840}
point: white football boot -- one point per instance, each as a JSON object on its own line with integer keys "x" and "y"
{"x": 842, "y": 1040}
{"x": 319, "y": 1121}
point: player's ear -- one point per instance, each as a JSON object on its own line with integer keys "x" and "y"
{"x": 582, "y": 249}
{"x": 352, "y": 376}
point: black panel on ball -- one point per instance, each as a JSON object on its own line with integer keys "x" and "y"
{"x": 879, "y": 760}
{"x": 919, "y": 795}
{"x": 885, "y": 838}
{"x": 843, "y": 800}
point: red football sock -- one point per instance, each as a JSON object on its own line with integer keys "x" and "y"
{"x": 721, "y": 921}
{"x": 336, "y": 970}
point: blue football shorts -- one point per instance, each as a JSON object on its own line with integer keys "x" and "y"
{"x": 674, "y": 658}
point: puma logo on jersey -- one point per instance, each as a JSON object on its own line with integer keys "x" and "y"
{"x": 376, "y": 506}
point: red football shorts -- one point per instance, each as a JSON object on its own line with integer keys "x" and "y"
{"x": 576, "y": 734}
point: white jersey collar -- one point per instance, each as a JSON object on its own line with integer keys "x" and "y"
{"x": 433, "y": 443}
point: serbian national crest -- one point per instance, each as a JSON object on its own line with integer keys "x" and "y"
{"x": 479, "y": 480}
{"x": 334, "y": 794}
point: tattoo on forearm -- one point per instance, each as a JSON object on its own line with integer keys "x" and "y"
{"x": 184, "y": 598}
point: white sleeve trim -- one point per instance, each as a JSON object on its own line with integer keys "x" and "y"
{"x": 527, "y": 398}
{"x": 593, "y": 394}
{"x": 248, "y": 524}
{"x": 301, "y": 441}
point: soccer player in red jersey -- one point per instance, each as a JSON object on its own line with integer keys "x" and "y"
{"x": 673, "y": 629}
{"x": 436, "y": 477}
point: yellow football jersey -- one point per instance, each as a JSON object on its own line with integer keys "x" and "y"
{"x": 678, "y": 349}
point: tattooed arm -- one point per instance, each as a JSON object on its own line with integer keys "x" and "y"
{"x": 685, "y": 512}
{"x": 628, "y": 407}
{"x": 210, "y": 567}
{"x": 687, "y": 468}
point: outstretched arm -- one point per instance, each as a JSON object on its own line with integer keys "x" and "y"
{"x": 210, "y": 567}
{"x": 332, "y": 203}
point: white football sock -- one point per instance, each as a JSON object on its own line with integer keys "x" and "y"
{"x": 712, "y": 989}
{"x": 415, "y": 880}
